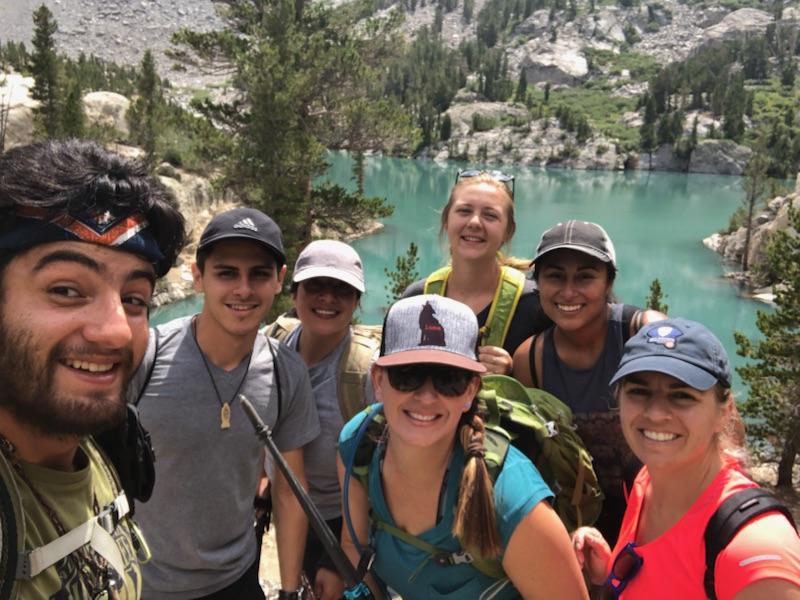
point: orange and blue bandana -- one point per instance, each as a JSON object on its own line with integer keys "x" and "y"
{"x": 117, "y": 228}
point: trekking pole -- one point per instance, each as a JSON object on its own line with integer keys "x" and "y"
{"x": 355, "y": 588}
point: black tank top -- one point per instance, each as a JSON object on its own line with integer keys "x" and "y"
{"x": 584, "y": 390}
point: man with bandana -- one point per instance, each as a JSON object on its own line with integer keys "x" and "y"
{"x": 83, "y": 237}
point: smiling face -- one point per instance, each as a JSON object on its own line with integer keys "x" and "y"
{"x": 324, "y": 305}
{"x": 423, "y": 417}
{"x": 573, "y": 288}
{"x": 669, "y": 425}
{"x": 240, "y": 279}
{"x": 73, "y": 326}
{"x": 477, "y": 220}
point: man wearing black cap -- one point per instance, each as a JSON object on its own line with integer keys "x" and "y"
{"x": 83, "y": 237}
{"x": 199, "y": 521}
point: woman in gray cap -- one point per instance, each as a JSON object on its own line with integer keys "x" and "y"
{"x": 442, "y": 526}
{"x": 575, "y": 268}
{"x": 327, "y": 284}
{"x": 678, "y": 415}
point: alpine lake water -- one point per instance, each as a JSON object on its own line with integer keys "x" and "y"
{"x": 656, "y": 220}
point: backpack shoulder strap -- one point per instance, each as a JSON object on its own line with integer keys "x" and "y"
{"x": 12, "y": 530}
{"x": 353, "y": 369}
{"x": 733, "y": 514}
{"x": 282, "y": 327}
{"x": 504, "y": 304}
{"x": 630, "y": 314}
{"x": 146, "y": 382}
{"x": 436, "y": 283}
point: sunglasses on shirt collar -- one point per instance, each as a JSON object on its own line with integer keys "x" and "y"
{"x": 504, "y": 178}
{"x": 448, "y": 381}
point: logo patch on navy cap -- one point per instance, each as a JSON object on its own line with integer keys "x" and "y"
{"x": 666, "y": 335}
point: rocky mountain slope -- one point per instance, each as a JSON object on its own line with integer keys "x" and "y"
{"x": 555, "y": 49}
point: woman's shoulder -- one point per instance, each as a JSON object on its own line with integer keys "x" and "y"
{"x": 350, "y": 430}
{"x": 415, "y": 289}
{"x": 767, "y": 547}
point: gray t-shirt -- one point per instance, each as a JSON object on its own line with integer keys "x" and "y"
{"x": 320, "y": 454}
{"x": 199, "y": 521}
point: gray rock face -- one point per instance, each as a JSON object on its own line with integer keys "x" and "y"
{"x": 538, "y": 143}
{"x": 104, "y": 109}
{"x": 108, "y": 110}
{"x": 15, "y": 94}
{"x": 775, "y": 217}
{"x": 663, "y": 159}
{"x": 560, "y": 63}
{"x": 737, "y": 25}
{"x": 723, "y": 157}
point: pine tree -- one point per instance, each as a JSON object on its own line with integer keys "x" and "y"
{"x": 144, "y": 113}
{"x": 755, "y": 185}
{"x": 46, "y": 71}
{"x": 733, "y": 115}
{"x": 404, "y": 274}
{"x": 655, "y": 301}
{"x": 74, "y": 116}
{"x": 446, "y": 128}
{"x": 522, "y": 87}
{"x": 773, "y": 402}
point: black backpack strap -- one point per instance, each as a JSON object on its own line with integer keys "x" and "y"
{"x": 532, "y": 361}
{"x": 152, "y": 366}
{"x": 630, "y": 313}
{"x": 276, "y": 366}
{"x": 733, "y": 514}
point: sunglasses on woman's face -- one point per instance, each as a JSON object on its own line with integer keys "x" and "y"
{"x": 448, "y": 381}
{"x": 504, "y": 178}
{"x": 626, "y": 566}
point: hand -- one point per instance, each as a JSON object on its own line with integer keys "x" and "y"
{"x": 592, "y": 552}
{"x": 328, "y": 585}
{"x": 495, "y": 359}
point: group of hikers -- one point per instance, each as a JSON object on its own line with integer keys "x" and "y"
{"x": 389, "y": 429}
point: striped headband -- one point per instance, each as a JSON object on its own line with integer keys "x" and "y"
{"x": 117, "y": 227}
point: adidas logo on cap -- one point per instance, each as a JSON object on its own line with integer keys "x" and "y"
{"x": 246, "y": 223}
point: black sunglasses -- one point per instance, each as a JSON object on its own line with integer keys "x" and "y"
{"x": 448, "y": 381}
{"x": 504, "y": 178}
{"x": 320, "y": 285}
{"x": 626, "y": 566}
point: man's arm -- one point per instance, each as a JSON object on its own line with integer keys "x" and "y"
{"x": 291, "y": 523}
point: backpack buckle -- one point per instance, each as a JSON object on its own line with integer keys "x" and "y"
{"x": 461, "y": 558}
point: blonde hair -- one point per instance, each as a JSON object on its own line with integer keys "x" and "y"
{"x": 475, "y": 523}
{"x": 522, "y": 264}
{"x": 732, "y": 439}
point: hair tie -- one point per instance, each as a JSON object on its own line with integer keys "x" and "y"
{"x": 476, "y": 449}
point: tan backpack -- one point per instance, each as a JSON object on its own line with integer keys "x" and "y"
{"x": 354, "y": 364}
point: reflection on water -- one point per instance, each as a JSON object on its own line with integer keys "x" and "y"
{"x": 656, "y": 220}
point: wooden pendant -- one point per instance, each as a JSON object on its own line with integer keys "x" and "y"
{"x": 225, "y": 416}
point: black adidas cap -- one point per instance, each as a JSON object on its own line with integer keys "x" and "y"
{"x": 245, "y": 224}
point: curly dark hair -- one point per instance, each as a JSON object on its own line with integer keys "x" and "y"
{"x": 74, "y": 176}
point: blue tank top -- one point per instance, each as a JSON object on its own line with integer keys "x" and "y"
{"x": 585, "y": 390}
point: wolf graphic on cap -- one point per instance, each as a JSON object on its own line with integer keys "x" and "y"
{"x": 432, "y": 331}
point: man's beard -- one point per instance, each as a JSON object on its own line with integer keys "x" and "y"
{"x": 27, "y": 388}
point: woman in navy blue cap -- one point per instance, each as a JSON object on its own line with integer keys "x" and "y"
{"x": 679, "y": 418}
{"x": 575, "y": 267}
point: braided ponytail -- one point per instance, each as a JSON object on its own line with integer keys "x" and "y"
{"x": 475, "y": 524}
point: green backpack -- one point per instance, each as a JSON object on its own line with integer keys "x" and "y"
{"x": 538, "y": 424}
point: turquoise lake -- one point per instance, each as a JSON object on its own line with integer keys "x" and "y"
{"x": 656, "y": 220}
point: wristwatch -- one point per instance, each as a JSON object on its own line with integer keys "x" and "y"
{"x": 284, "y": 595}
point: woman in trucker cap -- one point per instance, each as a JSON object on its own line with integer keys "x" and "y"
{"x": 575, "y": 268}
{"x": 478, "y": 221}
{"x": 678, "y": 416}
{"x": 421, "y": 495}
